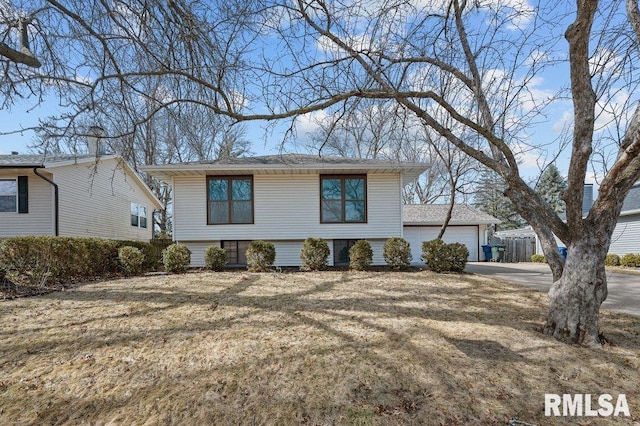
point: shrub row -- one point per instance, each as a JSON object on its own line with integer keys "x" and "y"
{"x": 439, "y": 256}
{"x": 629, "y": 260}
{"x": 46, "y": 260}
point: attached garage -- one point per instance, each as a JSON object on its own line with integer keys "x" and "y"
{"x": 422, "y": 222}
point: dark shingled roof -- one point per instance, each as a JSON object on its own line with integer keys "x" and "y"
{"x": 434, "y": 214}
{"x": 287, "y": 164}
{"x": 36, "y": 160}
{"x": 288, "y": 159}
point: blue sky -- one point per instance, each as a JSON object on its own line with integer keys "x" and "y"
{"x": 545, "y": 132}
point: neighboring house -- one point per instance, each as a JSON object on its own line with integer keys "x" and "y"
{"x": 422, "y": 222}
{"x": 75, "y": 196}
{"x": 285, "y": 199}
{"x": 626, "y": 235}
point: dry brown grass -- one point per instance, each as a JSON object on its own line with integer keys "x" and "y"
{"x": 298, "y": 348}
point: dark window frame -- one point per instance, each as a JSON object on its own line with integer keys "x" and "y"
{"x": 229, "y": 179}
{"x": 237, "y": 251}
{"x": 343, "y": 200}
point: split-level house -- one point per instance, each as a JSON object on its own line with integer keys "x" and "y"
{"x": 287, "y": 198}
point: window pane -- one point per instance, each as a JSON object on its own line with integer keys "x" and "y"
{"x": 242, "y": 252}
{"x": 218, "y": 212}
{"x": 134, "y": 209}
{"x": 7, "y": 204}
{"x": 134, "y": 220}
{"x": 7, "y": 199}
{"x": 354, "y": 188}
{"x": 341, "y": 251}
{"x": 331, "y": 188}
{"x": 231, "y": 247}
{"x": 218, "y": 189}
{"x": 331, "y": 211}
{"x": 143, "y": 222}
{"x": 8, "y": 188}
{"x": 241, "y": 189}
{"x": 241, "y": 212}
{"x": 354, "y": 211}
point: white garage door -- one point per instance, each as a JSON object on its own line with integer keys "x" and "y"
{"x": 467, "y": 235}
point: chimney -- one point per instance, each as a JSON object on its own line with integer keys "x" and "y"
{"x": 587, "y": 198}
{"x": 94, "y": 141}
{"x": 14, "y": 153}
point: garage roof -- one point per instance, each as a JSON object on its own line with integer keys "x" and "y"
{"x": 435, "y": 214}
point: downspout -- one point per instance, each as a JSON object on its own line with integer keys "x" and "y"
{"x": 56, "y": 203}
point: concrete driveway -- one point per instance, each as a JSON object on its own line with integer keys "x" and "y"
{"x": 624, "y": 289}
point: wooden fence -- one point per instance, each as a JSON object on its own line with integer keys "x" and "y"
{"x": 160, "y": 244}
{"x": 518, "y": 249}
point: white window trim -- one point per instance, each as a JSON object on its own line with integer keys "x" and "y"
{"x": 138, "y": 208}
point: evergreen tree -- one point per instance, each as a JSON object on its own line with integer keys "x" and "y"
{"x": 551, "y": 186}
{"x": 489, "y": 198}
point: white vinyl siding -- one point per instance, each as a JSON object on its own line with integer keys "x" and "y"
{"x": 95, "y": 201}
{"x": 287, "y": 207}
{"x": 39, "y": 220}
{"x": 626, "y": 235}
{"x": 467, "y": 235}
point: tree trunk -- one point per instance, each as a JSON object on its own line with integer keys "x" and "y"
{"x": 576, "y": 297}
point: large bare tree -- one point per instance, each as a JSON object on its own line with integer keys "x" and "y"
{"x": 268, "y": 60}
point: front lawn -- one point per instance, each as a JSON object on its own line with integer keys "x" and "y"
{"x": 299, "y": 348}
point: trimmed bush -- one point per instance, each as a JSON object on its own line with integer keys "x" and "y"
{"x": 176, "y": 258}
{"x": 151, "y": 261}
{"x": 360, "y": 256}
{"x": 131, "y": 260}
{"x": 458, "y": 255}
{"x": 215, "y": 258}
{"x": 436, "y": 255}
{"x": 397, "y": 253}
{"x": 442, "y": 257}
{"x": 260, "y": 256}
{"x": 630, "y": 260}
{"x": 612, "y": 260}
{"x": 538, "y": 258}
{"x": 314, "y": 254}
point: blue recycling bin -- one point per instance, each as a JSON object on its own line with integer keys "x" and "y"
{"x": 563, "y": 252}
{"x": 486, "y": 249}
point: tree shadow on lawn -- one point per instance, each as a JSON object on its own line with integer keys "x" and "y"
{"x": 467, "y": 302}
{"x": 391, "y": 350}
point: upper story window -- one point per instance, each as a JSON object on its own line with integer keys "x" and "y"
{"x": 138, "y": 215}
{"x": 229, "y": 199}
{"x": 343, "y": 199}
{"x": 8, "y": 195}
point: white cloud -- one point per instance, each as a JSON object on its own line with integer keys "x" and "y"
{"x": 309, "y": 122}
{"x": 611, "y": 112}
{"x": 564, "y": 123}
{"x": 527, "y": 156}
{"x": 604, "y": 61}
{"x": 519, "y": 13}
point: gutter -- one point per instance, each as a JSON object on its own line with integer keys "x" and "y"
{"x": 56, "y": 202}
